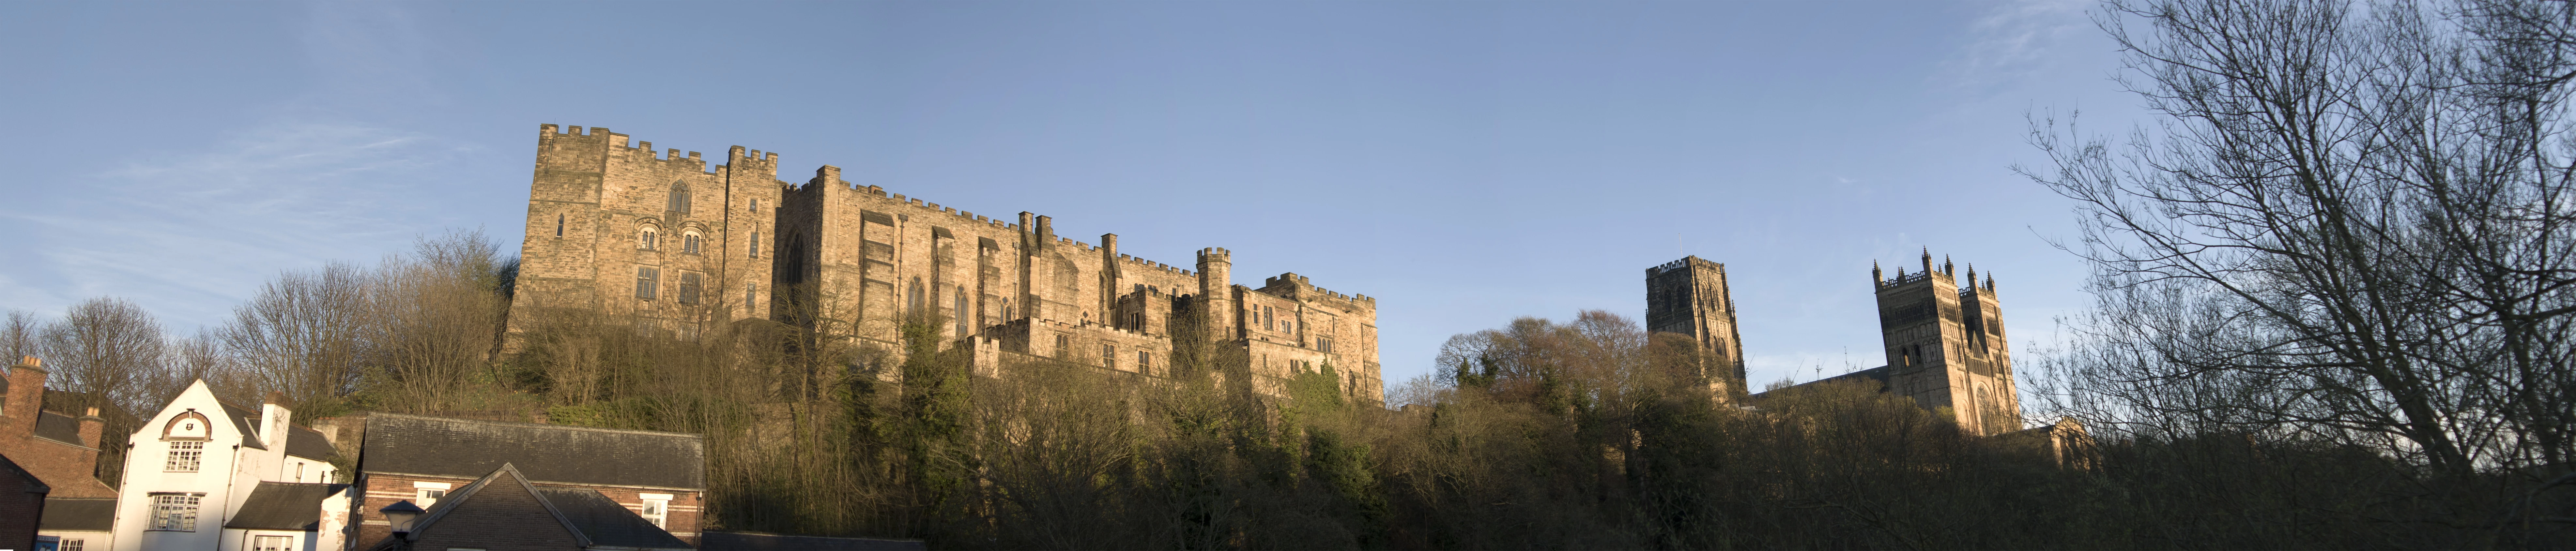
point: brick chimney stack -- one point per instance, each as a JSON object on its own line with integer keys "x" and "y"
{"x": 26, "y": 397}
{"x": 92, "y": 428}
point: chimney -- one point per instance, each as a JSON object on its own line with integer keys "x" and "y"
{"x": 26, "y": 397}
{"x": 91, "y": 428}
{"x": 274, "y": 413}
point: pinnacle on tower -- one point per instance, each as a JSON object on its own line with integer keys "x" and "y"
{"x": 1874, "y": 274}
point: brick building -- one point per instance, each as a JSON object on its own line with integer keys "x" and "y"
{"x": 503, "y": 510}
{"x": 669, "y": 241}
{"x": 657, "y": 476}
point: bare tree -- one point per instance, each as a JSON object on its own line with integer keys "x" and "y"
{"x": 19, "y": 335}
{"x": 304, "y": 333}
{"x": 434, "y": 320}
{"x": 107, "y": 349}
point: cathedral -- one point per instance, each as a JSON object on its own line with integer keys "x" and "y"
{"x": 1943, "y": 336}
{"x": 673, "y": 241}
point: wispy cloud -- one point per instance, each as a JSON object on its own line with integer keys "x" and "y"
{"x": 2013, "y": 42}
{"x": 191, "y": 233}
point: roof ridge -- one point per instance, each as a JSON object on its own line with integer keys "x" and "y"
{"x": 544, "y": 425}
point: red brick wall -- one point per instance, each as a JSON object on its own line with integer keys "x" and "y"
{"x": 378, "y": 490}
{"x": 66, "y": 467}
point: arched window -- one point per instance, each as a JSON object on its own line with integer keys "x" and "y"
{"x": 913, "y": 299}
{"x": 755, "y": 244}
{"x": 647, "y": 238}
{"x": 679, "y": 198}
{"x": 961, "y": 314}
{"x": 689, "y": 242}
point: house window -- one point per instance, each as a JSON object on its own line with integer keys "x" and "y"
{"x": 426, "y": 494}
{"x": 648, "y": 282}
{"x": 755, "y": 244}
{"x": 74, "y": 545}
{"x": 175, "y": 511}
{"x": 559, "y": 220}
{"x": 272, "y": 543}
{"x": 184, "y": 457}
{"x": 645, "y": 238}
{"x": 689, "y": 242}
{"x": 1109, "y": 356}
{"x": 688, "y": 288}
{"x": 657, "y": 509}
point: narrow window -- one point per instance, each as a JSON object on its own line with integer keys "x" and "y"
{"x": 688, "y": 288}
{"x": 175, "y": 511}
{"x": 679, "y": 199}
{"x": 644, "y": 238}
{"x": 184, "y": 457}
{"x": 689, "y": 243}
{"x": 1144, "y": 360}
{"x": 559, "y": 220}
{"x": 1064, "y": 345}
{"x": 647, "y": 282}
{"x": 912, "y": 298}
{"x": 1109, "y": 356}
{"x": 299, "y": 471}
{"x": 74, "y": 545}
{"x": 962, "y": 330}
{"x": 755, "y": 205}
{"x": 755, "y": 244}
{"x": 750, "y": 297}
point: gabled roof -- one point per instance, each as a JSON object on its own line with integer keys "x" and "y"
{"x": 34, "y": 485}
{"x": 79, "y": 514}
{"x": 284, "y": 506}
{"x": 247, "y": 420}
{"x": 59, "y": 428}
{"x": 591, "y": 519}
{"x": 309, "y": 444}
{"x": 554, "y": 454}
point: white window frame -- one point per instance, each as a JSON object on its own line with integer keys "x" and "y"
{"x": 175, "y": 511}
{"x": 184, "y": 457}
{"x": 425, "y": 494}
{"x": 272, "y": 543}
{"x": 655, "y": 508}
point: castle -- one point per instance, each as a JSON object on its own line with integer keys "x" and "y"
{"x": 617, "y": 229}
{"x": 1944, "y": 342}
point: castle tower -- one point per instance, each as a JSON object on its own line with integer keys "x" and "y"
{"x": 1216, "y": 290}
{"x": 1945, "y": 345}
{"x": 1689, "y": 297}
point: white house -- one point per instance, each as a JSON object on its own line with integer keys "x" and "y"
{"x": 204, "y": 474}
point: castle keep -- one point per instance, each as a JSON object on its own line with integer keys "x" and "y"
{"x": 617, "y": 229}
{"x": 1944, "y": 342}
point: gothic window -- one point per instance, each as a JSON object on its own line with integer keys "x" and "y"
{"x": 960, "y": 312}
{"x": 679, "y": 199}
{"x": 755, "y": 244}
{"x": 689, "y": 242}
{"x": 750, "y": 298}
{"x": 647, "y": 282}
{"x": 688, "y": 288}
{"x": 913, "y": 299}
{"x": 646, "y": 238}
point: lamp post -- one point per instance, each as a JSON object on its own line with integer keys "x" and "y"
{"x": 400, "y": 515}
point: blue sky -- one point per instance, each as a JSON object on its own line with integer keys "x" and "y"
{"x": 1465, "y": 163}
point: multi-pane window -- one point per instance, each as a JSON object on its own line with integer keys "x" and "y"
{"x": 755, "y": 244}
{"x": 1108, "y": 356}
{"x": 1064, "y": 346}
{"x": 184, "y": 456}
{"x": 1269, "y": 318}
{"x": 1324, "y": 346}
{"x": 1144, "y": 359}
{"x": 425, "y": 497}
{"x": 689, "y": 243}
{"x": 175, "y": 511}
{"x": 272, "y": 543}
{"x": 645, "y": 238}
{"x": 680, "y": 199}
{"x": 688, "y": 288}
{"x": 657, "y": 509}
{"x": 648, "y": 282}
{"x": 750, "y": 296}
{"x": 74, "y": 545}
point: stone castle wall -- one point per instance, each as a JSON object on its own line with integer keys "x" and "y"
{"x": 857, "y": 260}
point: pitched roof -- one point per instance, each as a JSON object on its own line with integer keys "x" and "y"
{"x": 554, "y": 454}
{"x": 59, "y": 428}
{"x": 34, "y": 485}
{"x": 752, "y": 541}
{"x": 284, "y": 506}
{"x": 592, "y": 520}
{"x": 308, "y": 443}
{"x": 606, "y": 522}
{"x": 245, "y": 419}
{"x": 79, "y": 514}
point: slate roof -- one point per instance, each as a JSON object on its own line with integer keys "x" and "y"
{"x": 284, "y": 506}
{"x": 606, "y": 522}
{"x": 755, "y": 541}
{"x": 247, "y": 420}
{"x": 593, "y": 520}
{"x": 58, "y": 427}
{"x": 308, "y": 443}
{"x": 79, "y": 514}
{"x": 553, "y": 454}
{"x": 34, "y": 485}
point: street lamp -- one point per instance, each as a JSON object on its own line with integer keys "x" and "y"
{"x": 400, "y": 515}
